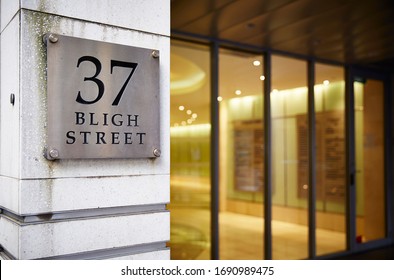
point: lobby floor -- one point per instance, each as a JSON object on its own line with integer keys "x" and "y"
{"x": 241, "y": 237}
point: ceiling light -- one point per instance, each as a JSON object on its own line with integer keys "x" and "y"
{"x": 181, "y": 108}
{"x": 189, "y": 112}
{"x": 194, "y": 116}
{"x": 262, "y": 77}
{"x": 326, "y": 82}
{"x": 256, "y": 63}
{"x": 238, "y": 92}
{"x": 183, "y": 123}
{"x": 220, "y": 98}
{"x": 185, "y": 75}
{"x": 189, "y": 121}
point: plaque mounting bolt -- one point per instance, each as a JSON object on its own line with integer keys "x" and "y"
{"x": 156, "y": 152}
{"x": 53, "y": 154}
{"x": 155, "y": 54}
{"x": 51, "y": 38}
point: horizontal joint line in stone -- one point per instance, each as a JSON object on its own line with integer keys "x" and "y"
{"x": 84, "y": 214}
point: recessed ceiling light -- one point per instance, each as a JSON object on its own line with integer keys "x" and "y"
{"x": 238, "y": 92}
{"x": 220, "y": 98}
{"x": 194, "y": 116}
{"x": 326, "y": 82}
{"x": 181, "y": 108}
{"x": 256, "y": 63}
{"x": 262, "y": 77}
{"x": 189, "y": 112}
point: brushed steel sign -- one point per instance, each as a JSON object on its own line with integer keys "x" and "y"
{"x": 103, "y": 100}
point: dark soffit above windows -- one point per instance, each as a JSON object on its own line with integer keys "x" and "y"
{"x": 346, "y": 31}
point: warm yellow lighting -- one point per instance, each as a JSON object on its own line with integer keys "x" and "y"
{"x": 183, "y": 123}
{"x": 326, "y": 82}
{"x": 244, "y": 102}
{"x": 238, "y": 92}
{"x": 194, "y": 116}
{"x": 185, "y": 75}
{"x": 189, "y": 112}
{"x": 189, "y": 121}
{"x": 274, "y": 91}
{"x": 256, "y": 63}
{"x": 181, "y": 108}
{"x": 196, "y": 129}
{"x": 300, "y": 90}
{"x": 262, "y": 77}
{"x": 220, "y": 98}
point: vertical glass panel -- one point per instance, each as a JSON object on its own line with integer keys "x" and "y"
{"x": 241, "y": 155}
{"x": 289, "y": 158}
{"x": 370, "y": 194}
{"x": 190, "y": 151}
{"x": 330, "y": 159}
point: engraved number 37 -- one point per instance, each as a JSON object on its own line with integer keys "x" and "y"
{"x": 99, "y": 83}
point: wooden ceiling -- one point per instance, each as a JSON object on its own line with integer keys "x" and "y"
{"x": 346, "y": 31}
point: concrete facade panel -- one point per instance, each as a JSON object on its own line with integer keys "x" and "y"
{"x": 151, "y": 16}
{"x": 56, "y": 238}
{"x": 71, "y": 194}
{"x": 9, "y": 122}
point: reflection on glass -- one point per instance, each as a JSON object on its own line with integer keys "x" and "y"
{"x": 330, "y": 159}
{"x": 369, "y": 126}
{"x": 241, "y": 156}
{"x": 289, "y": 159}
{"x": 190, "y": 152}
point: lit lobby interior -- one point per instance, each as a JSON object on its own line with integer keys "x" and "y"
{"x": 241, "y": 156}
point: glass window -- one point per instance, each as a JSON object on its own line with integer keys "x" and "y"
{"x": 330, "y": 159}
{"x": 242, "y": 148}
{"x": 190, "y": 151}
{"x": 241, "y": 155}
{"x": 289, "y": 158}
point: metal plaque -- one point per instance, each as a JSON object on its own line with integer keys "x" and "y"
{"x": 103, "y": 100}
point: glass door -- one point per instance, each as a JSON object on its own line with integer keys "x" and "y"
{"x": 190, "y": 152}
{"x": 368, "y": 195}
{"x": 241, "y": 155}
{"x": 330, "y": 140}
